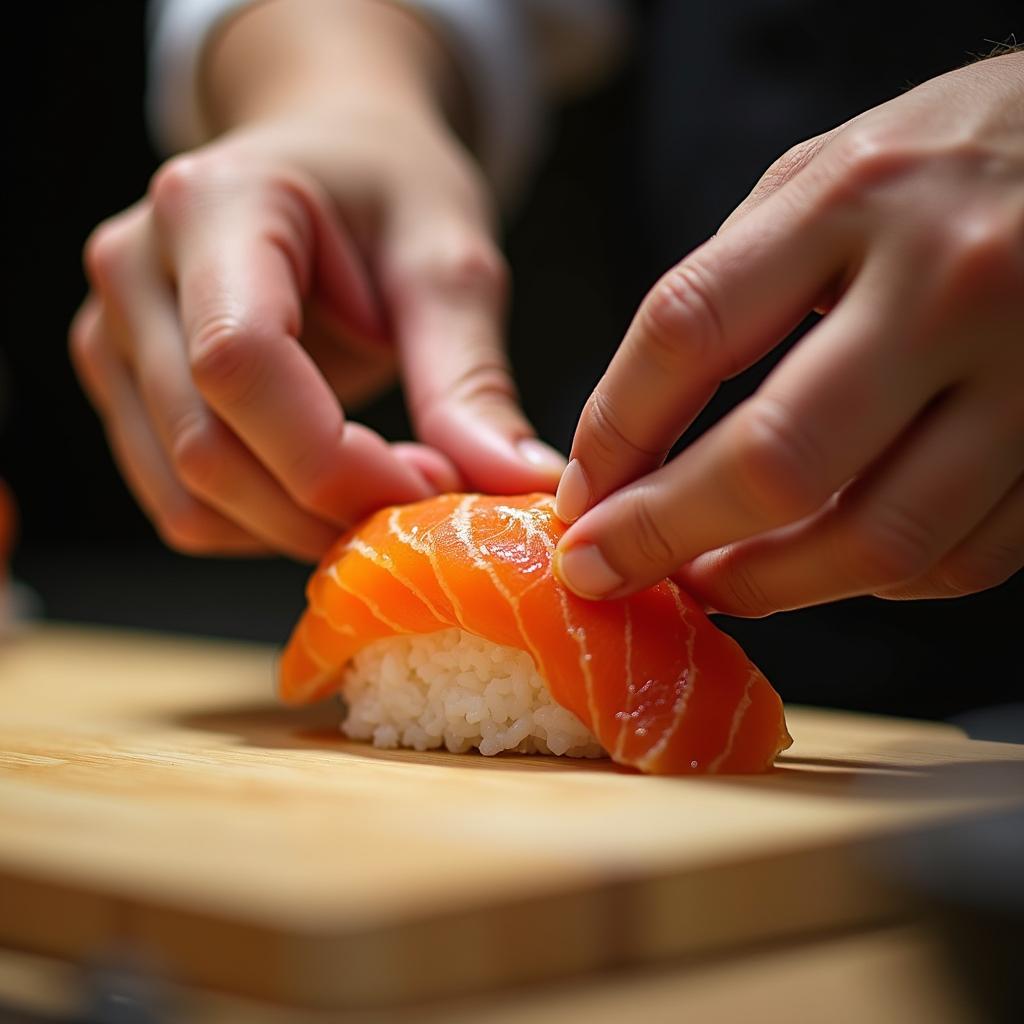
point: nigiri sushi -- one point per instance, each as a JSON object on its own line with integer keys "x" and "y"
{"x": 442, "y": 624}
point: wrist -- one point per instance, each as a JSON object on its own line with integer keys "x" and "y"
{"x": 296, "y": 55}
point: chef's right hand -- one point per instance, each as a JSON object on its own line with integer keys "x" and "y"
{"x": 335, "y": 232}
{"x": 885, "y": 453}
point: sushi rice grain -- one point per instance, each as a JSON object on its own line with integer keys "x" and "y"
{"x": 455, "y": 690}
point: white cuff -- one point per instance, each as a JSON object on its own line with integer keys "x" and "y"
{"x": 512, "y": 52}
{"x": 178, "y": 32}
{"x": 491, "y": 41}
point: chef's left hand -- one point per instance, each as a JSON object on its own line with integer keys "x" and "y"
{"x": 885, "y": 454}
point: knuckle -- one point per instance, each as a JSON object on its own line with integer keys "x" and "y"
{"x": 607, "y": 435}
{"x": 891, "y": 545}
{"x": 986, "y": 252}
{"x": 483, "y": 382}
{"x": 225, "y": 358}
{"x": 178, "y": 181}
{"x": 105, "y": 251}
{"x": 463, "y": 265}
{"x": 742, "y": 593}
{"x": 790, "y": 163}
{"x": 778, "y": 467}
{"x": 680, "y": 320}
{"x": 198, "y": 455}
{"x": 486, "y": 385}
{"x": 869, "y": 155}
{"x": 653, "y": 545}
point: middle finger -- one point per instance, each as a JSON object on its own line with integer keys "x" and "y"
{"x": 890, "y": 526}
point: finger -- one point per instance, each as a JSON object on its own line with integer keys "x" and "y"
{"x": 712, "y": 315}
{"x": 242, "y": 268}
{"x": 891, "y": 526}
{"x": 832, "y": 407}
{"x": 207, "y": 458}
{"x": 436, "y": 468}
{"x": 356, "y": 370}
{"x": 988, "y": 557}
{"x": 781, "y": 172}
{"x": 82, "y": 344}
{"x": 183, "y": 522}
{"x": 446, "y": 289}
{"x": 342, "y": 283}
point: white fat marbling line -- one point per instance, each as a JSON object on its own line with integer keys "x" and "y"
{"x": 363, "y": 599}
{"x": 679, "y": 709}
{"x": 327, "y": 669}
{"x": 623, "y": 716}
{"x": 417, "y": 542}
{"x": 464, "y": 531}
{"x": 737, "y": 720}
{"x": 386, "y": 563}
{"x": 344, "y": 628}
{"x": 528, "y": 519}
{"x": 308, "y": 644}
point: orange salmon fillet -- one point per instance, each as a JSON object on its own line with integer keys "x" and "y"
{"x": 661, "y": 688}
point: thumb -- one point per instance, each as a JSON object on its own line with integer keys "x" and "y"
{"x": 446, "y": 286}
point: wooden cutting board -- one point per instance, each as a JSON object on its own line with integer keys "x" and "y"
{"x": 154, "y": 798}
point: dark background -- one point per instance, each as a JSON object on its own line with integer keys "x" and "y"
{"x": 639, "y": 173}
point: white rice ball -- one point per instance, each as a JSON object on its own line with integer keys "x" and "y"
{"x": 455, "y": 690}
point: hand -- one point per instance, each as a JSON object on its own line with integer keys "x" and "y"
{"x": 885, "y": 454}
{"x": 335, "y": 233}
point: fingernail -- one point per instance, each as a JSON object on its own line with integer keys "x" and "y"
{"x": 541, "y": 456}
{"x": 585, "y": 572}
{"x": 573, "y": 494}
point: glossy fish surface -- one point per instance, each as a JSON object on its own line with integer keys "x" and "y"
{"x": 661, "y": 687}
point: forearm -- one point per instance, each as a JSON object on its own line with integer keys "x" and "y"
{"x": 283, "y": 55}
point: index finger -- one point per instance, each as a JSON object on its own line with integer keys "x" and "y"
{"x": 709, "y": 317}
{"x": 446, "y": 282}
{"x": 242, "y": 265}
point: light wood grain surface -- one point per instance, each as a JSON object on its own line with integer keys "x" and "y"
{"x": 153, "y": 795}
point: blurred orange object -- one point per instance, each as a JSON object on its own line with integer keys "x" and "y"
{"x": 8, "y": 522}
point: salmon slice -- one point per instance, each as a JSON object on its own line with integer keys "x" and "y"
{"x": 661, "y": 688}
